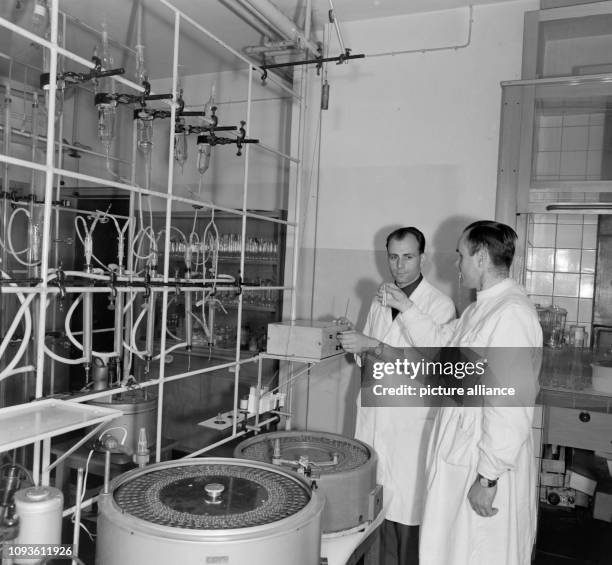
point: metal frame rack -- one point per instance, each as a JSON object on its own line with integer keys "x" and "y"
{"x": 53, "y": 169}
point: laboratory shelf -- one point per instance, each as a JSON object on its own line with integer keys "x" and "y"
{"x": 251, "y": 307}
{"x": 226, "y": 259}
{"x": 299, "y": 359}
{"x": 250, "y": 260}
{"x": 42, "y": 419}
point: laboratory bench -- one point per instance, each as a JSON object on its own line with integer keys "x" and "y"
{"x": 574, "y": 415}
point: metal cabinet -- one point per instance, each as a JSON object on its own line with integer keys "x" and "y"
{"x": 556, "y": 124}
{"x": 259, "y": 276}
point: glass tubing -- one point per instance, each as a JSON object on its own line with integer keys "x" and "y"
{"x": 51, "y": 170}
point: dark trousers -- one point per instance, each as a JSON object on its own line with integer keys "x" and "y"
{"x": 399, "y": 544}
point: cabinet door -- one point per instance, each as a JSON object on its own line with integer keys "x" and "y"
{"x": 556, "y": 124}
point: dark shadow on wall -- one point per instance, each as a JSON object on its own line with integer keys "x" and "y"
{"x": 440, "y": 264}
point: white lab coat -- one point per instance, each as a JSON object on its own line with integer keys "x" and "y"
{"x": 495, "y": 442}
{"x": 400, "y": 435}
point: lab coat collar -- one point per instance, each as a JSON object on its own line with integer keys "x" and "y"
{"x": 495, "y": 290}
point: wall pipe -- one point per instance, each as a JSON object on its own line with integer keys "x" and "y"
{"x": 463, "y": 45}
{"x": 278, "y": 82}
{"x": 287, "y": 26}
{"x": 245, "y": 14}
{"x": 253, "y": 17}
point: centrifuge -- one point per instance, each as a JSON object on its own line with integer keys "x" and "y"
{"x": 343, "y": 469}
{"x": 209, "y": 510}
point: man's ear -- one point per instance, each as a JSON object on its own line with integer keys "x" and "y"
{"x": 423, "y": 260}
{"x": 483, "y": 256}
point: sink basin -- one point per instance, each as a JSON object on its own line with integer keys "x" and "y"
{"x": 602, "y": 376}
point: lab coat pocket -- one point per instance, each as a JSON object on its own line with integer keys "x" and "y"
{"x": 459, "y": 448}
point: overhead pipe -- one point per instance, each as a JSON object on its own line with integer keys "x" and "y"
{"x": 286, "y": 25}
{"x": 284, "y": 45}
{"x": 255, "y": 18}
{"x": 248, "y": 15}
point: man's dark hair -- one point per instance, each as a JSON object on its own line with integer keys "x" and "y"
{"x": 497, "y": 238}
{"x": 401, "y": 233}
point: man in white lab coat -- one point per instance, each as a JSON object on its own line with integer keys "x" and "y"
{"x": 480, "y": 505}
{"x": 400, "y": 434}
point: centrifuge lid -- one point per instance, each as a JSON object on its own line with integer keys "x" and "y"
{"x": 212, "y": 496}
{"x": 316, "y": 447}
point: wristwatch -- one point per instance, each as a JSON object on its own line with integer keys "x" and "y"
{"x": 486, "y": 483}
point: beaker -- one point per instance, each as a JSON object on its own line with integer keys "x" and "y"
{"x": 577, "y": 336}
{"x": 552, "y": 320}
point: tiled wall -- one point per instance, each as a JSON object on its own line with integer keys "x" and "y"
{"x": 560, "y": 263}
{"x": 568, "y": 145}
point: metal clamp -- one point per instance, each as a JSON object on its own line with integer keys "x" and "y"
{"x": 72, "y": 78}
{"x": 343, "y": 57}
{"x": 147, "y": 285}
{"x": 61, "y": 282}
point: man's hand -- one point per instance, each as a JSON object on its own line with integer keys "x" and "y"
{"x": 391, "y": 295}
{"x": 481, "y": 499}
{"x": 344, "y": 322}
{"x": 353, "y": 341}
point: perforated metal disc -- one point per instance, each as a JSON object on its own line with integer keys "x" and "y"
{"x": 177, "y": 496}
{"x": 317, "y": 447}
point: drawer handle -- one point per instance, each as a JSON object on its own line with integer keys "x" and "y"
{"x": 584, "y": 417}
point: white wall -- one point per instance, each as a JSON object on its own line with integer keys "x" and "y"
{"x": 408, "y": 140}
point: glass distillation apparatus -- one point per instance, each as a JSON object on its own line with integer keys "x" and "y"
{"x": 107, "y": 107}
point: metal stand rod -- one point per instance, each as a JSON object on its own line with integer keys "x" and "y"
{"x": 107, "y": 462}
{"x": 77, "y": 513}
{"x": 317, "y": 61}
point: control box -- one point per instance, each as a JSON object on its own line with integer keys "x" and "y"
{"x": 303, "y": 338}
